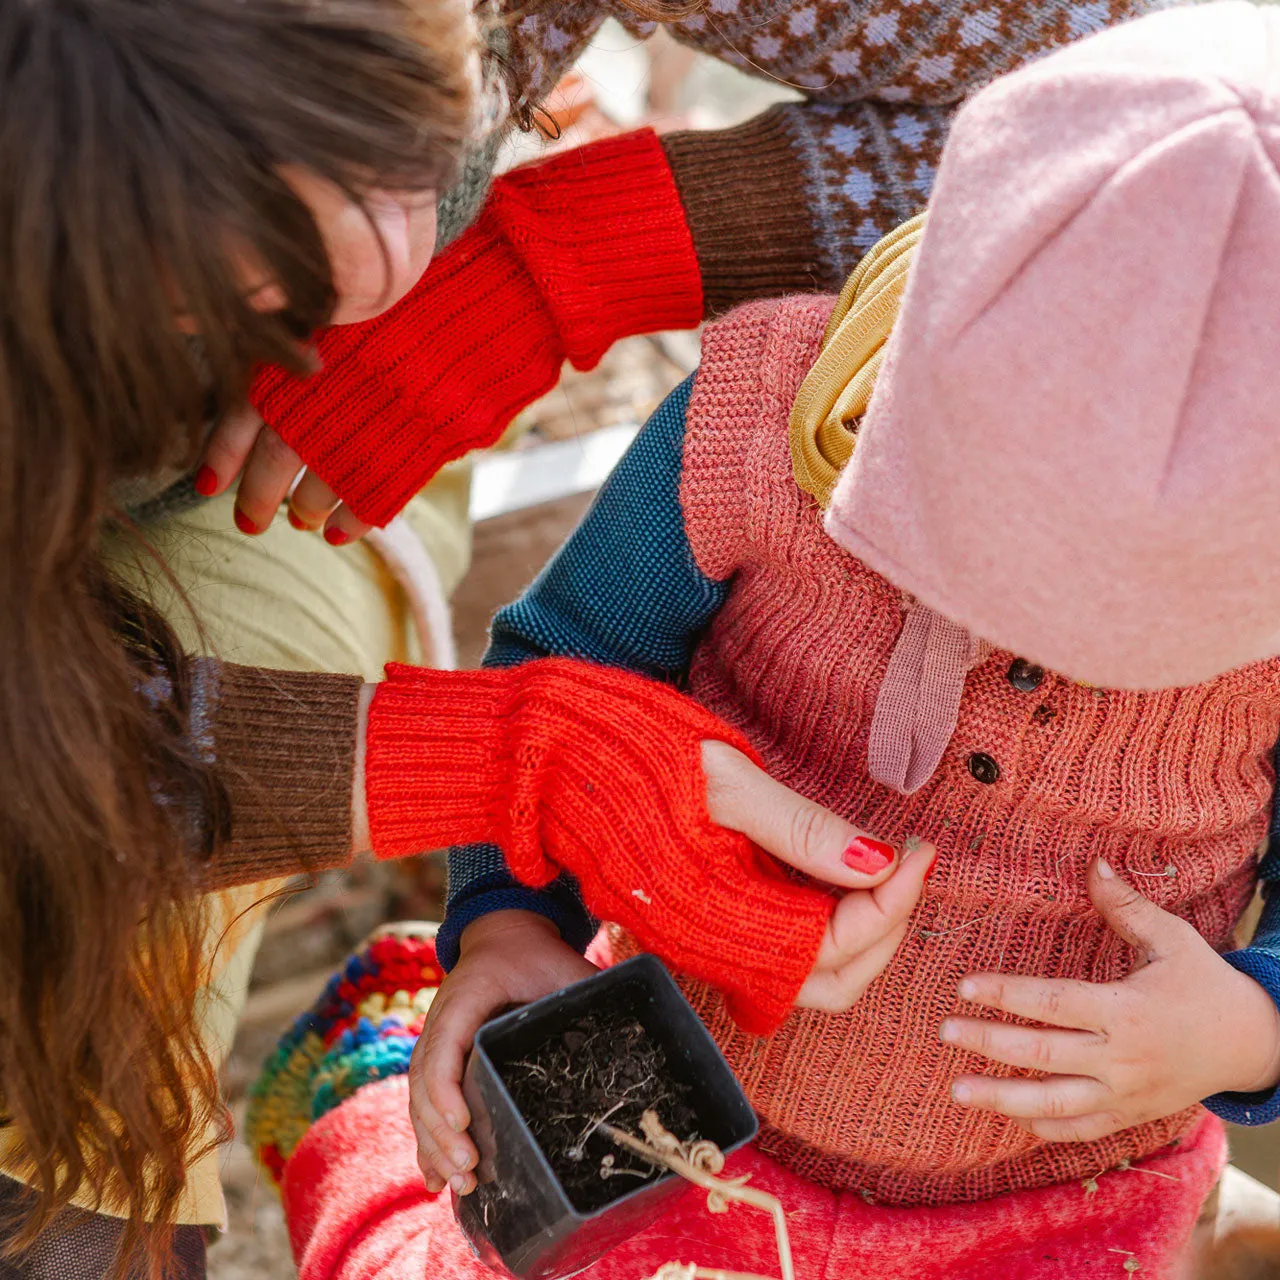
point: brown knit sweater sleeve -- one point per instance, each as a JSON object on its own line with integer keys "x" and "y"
{"x": 283, "y": 745}
{"x": 789, "y": 201}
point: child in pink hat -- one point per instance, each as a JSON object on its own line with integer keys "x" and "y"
{"x": 1044, "y": 426}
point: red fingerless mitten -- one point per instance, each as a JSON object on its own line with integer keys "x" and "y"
{"x": 568, "y": 256}
{"x": 570, "y": 766}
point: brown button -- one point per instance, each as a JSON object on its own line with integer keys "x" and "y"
{"x": 1025, "y": 677}
{"x": 983, "y": 768}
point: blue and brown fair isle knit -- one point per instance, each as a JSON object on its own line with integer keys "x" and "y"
{"x": 361, "y": 1029}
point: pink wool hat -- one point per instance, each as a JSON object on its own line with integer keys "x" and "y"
{"x": 1073, "y": 448}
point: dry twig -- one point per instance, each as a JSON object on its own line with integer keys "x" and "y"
{"x": 698, "y": 1164}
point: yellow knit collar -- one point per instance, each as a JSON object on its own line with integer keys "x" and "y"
{"x": 835, "y": 392}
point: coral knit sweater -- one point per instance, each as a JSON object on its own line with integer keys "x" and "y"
{"x": 1041, "y": 776}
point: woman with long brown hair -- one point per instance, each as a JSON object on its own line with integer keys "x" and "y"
{"x": 188, "y": 191}
{"x": 159, "y": 164}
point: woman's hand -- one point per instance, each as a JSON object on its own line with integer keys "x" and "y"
{"x": 1182, "y": 1026}
{"x": 866, "y": 927}
{"x": 804, "y": 835}
{"x": 242, "y": 445}
{"x": 508, "y": 957}
{"x": 863, "y": 934}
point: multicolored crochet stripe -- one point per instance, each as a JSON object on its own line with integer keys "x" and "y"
{"x": 362, "y": 1028}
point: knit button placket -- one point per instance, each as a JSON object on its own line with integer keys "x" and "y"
{"x": 983, "y": 768}
{"x": 1025, "y": 676}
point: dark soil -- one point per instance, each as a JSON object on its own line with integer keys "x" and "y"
{"x": 603, "y": 1067}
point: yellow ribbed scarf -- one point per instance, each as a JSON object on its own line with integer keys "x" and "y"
{"x": 835, "y": 393}
{"x": 918, "y": 703}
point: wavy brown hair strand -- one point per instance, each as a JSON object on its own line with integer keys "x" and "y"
{"x": 141, "y": 153}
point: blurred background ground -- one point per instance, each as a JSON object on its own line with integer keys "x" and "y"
{"x": 578, "y": 429}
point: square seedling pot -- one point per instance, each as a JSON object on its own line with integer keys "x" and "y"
{"x": 520, "y": 1220}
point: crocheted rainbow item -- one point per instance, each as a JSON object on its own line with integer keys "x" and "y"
{"x": 361, "y": 1029}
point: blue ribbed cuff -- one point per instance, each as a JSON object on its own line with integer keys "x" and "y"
{"x": 479, "y": 883}
{"x": 1263, "y": 966}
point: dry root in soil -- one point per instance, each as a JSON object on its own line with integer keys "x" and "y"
{"x": 699, "y": 1163}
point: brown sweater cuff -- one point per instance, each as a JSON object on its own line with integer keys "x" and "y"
{"x": 284, "y": 745}
{"x": 743, "y": 193}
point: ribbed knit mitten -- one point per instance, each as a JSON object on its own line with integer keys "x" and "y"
{"x": 568, "y": 766}
{"x": 361, "y": 1029}
{"x": 568, "y": 256}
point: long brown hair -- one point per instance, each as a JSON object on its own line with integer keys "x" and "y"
{"x": 141, "y": 146}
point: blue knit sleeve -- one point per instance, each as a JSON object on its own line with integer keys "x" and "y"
{"x": 1261, "y": 961}
{"x": 624, "y": 590}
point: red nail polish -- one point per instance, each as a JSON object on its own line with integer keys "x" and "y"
{"x": 336, "y": 537}
{"x": 933, "y": 866}
{"x": 867, "y": 855}
{"x": 206, "y": 482}
{"x": 292, "y": 517}
{"x": 244, "y": 524}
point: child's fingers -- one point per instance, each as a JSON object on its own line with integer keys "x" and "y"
{"x": 1053, "y": 1098}
{"x": 427, "y": 1166}
{"x": 1057, "y": 1002}
{"x": 436, "y": 1169}
{"x": 1149, "y": 929}
{"x": 439, "y": 1111}
{"x": 1090, "y": 1128}
{"x": 442, "y": 1154}
{"x": 1068, "y": 1053}
{"x": 742, "y": 797}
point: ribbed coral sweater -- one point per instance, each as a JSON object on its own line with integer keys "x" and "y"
{"x": 1171, "y": 787}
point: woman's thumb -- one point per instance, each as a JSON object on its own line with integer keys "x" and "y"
{"x": 794, "y": 830}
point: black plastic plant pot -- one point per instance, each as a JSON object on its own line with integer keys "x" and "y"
{"x": 520, "y": 1220}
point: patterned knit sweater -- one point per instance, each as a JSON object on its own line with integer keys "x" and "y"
{"x": 787, "y": 637}
{"x": 792, "y": 199}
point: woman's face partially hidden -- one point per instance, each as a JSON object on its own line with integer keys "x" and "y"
{"x": 378, "y": 253}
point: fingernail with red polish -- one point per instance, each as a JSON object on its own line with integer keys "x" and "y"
{"x": 244, "y": 524}
{"x": 293, "y": 519}
{"x": 867, "y": 855}
{"x": 336, "y": 537}
{"x": 206, "y": 482}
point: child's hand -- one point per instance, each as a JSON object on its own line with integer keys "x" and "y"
{"x": 864, "y": 932}
{"x": 508, "y": 957}
{"x": 1182, "y": 1026}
